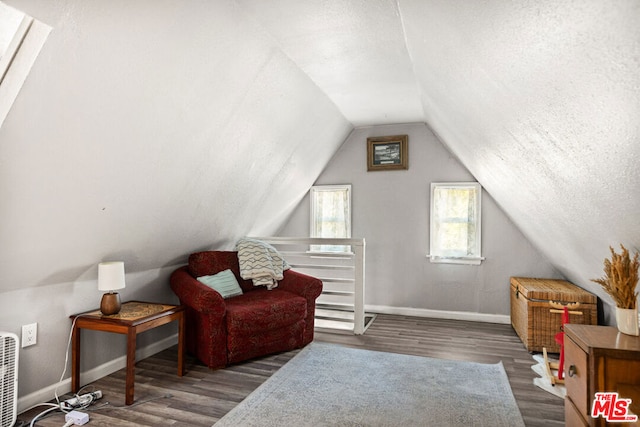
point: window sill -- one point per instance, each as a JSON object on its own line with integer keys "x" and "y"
{"x": 437, "y": 259}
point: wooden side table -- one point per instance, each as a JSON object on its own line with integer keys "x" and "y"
{"x": 134, "y": 317}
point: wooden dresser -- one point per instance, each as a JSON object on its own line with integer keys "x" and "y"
{"x": 597, "y": 359}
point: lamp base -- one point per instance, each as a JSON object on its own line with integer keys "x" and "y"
{"x": 110, "y": 303}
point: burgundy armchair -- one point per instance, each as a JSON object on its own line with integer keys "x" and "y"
{"x": 220, "y": 332}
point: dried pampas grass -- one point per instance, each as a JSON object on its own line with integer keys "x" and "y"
{"x": 621, "y": 278}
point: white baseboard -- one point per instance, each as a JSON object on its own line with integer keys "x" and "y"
{"x": 440, "y": 314}
{"x": 48, "y": 393}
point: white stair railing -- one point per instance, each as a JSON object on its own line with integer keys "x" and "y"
{"x": 341, "y": 305}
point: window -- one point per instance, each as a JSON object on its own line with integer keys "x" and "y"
{"x": 331, "y": 215}
{"x": 455, "y": 223}
{"x": 21, "y": 38}
{"x": 15, "y": 25}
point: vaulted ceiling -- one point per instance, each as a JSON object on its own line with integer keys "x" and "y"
{"x": 210, "y": 120}
{"x": 539, "y": 100}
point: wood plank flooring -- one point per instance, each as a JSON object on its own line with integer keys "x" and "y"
{"x": 203, "y": 396}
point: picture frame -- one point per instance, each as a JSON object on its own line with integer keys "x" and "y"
{"x": 387, "y": 153}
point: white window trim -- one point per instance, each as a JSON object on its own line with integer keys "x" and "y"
{"x": 14, "y": 45}
{"x": 468, "y": 260}
{"x": 312, "y": 217}
{"x": 18, "y": 59}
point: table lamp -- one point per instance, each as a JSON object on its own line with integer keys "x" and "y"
{"x": 110, "y": 278}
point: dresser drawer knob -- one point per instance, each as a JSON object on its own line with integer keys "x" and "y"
{"x": 572, "y": 370}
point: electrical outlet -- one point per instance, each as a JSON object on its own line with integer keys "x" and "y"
{"x": 29, "y": 334}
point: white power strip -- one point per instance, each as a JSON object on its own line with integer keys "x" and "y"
{"x": 81, "y": 401}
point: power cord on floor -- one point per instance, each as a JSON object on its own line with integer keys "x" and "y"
{"x": 107, "y": 405}
{"x": 77, "y": 419}
{"x": 43, "y": 413}
{"x": 59, "y": 405}
{"x": 72, "y": 415}
{"x": 66, "y": 358}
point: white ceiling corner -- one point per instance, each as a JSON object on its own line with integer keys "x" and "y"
{"x": 354, "y": 51}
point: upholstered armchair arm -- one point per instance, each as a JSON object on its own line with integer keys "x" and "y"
{"x": 206, "y": 336}
{"x": 196, "y": 295}
{"x": 306, "y": 286}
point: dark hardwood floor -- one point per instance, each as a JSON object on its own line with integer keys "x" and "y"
{"x": 203, "y": 396}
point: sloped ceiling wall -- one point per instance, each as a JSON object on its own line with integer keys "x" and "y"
{"x": 148, "y": 129}
{"x": 145, "y": 131}
{"x": 541, "y": 102}
{"x": 354, "y": 50}
{"x": 139, "y": 116}
{"x": 151, "y": 128}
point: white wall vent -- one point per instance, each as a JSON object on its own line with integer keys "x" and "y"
{"x": 8, "y": 379}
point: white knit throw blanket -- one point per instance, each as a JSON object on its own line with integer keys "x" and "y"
{"x": 260, "y": 262}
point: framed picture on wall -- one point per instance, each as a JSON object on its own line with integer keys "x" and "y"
{"x": 387, "y": 152}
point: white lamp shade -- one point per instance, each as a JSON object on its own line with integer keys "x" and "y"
{"x": 110, "y": 275}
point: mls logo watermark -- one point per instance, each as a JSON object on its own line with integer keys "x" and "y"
{"x": 613, "y": 409}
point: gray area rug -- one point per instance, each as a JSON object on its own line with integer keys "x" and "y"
{"x": 329, "y": 385}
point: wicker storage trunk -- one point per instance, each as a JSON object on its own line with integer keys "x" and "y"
{"x": 531, "y": 315}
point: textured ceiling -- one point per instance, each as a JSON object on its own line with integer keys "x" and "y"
{"x": 539, "y": 100}
{"x": 355, "y": 51}
{"x": 150, "y": 129}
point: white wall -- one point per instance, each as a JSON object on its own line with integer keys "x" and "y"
{"x": 149, "y": 129}
{"x": 41, "y": 366}
{"x": 540, "y": 100}
{"x": 391, "y": 211}
{"x": 145, "y": 131}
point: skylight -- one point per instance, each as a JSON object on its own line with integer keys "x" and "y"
{"x": 21, "y": 38}
{"x": 13, "y": 27}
